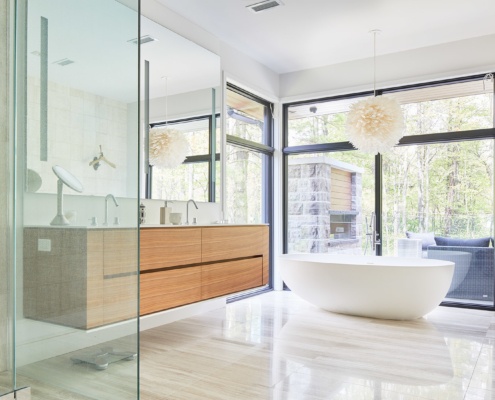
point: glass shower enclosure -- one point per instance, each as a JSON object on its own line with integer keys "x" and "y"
{"x": 74, "y": 329}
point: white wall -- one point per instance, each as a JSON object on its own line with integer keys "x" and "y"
{"x": 183, "y": 105}
{"x": 465, "y": 57}
{"x": 235, "y": 64}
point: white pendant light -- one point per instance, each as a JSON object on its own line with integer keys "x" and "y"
{"x": 168, "y": 148}
{"x": 376, "y": 124}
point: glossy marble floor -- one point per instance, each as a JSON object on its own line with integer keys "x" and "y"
{"x": 276, "y": 346}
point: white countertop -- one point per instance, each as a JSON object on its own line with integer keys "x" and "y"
{"x": 81, "y": 227}
{"x": 194, "y": 226}
{"x": 144, "y": 226}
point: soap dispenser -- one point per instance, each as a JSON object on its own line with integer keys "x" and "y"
{"x": 142, "y": 213}
{"x": 165, "y": 213}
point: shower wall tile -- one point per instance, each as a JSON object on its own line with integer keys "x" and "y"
{"x": 78, "y": 123}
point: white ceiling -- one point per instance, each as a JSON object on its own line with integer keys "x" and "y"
{"x": 97, "y": 39}
{"x": 305, "y": 34}
{"x": 176, "y": 64}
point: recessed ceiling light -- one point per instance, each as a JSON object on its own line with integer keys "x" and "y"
{"x": 142, "y": 40}
{"x": 264, "y": 5}
{"x": 63, "y": 62}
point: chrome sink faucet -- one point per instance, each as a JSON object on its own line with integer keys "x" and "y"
{"x": 109, "y": 196}
{"x": 187, "y": 209}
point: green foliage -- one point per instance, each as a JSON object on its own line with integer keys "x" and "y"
{"x": 442, "y": 188}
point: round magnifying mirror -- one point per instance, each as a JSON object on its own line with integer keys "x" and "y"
{"x": 67, "y": 178}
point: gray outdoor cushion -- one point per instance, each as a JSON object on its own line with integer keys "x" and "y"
{"x": 447, "y": 241}
{"x": 427, "y": 238}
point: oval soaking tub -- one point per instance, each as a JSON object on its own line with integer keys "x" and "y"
{"x": 378, "y": 287}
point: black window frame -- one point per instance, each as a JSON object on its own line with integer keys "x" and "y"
{"x": 201, "y": 158}
{"x": 267, "y": 149}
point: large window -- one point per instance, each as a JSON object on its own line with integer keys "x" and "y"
{"x": 249, "y": 158}
{"x": 440, "y": 188}
{"x": 447, "y": 108}
{"x": 435, "y": 186}
{"x": 318, "y": 122}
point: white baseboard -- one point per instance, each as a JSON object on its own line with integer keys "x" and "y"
{"x": 178, "y": 313}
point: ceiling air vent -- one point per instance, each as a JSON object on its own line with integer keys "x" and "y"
{"x": 264, "y": 5}
{"x": 142, "y": 40}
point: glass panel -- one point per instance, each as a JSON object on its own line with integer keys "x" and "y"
{"x": 319, "y": 122}
{"x": 187, "y": 181}
{"x": 443, "y": 191}
{"x": 245, "y": 117}
{"x": 330, "y": 203}
{"x": 77, "y": 233}
{"x": 6, "y": 259}
{"x": 447, "y": 108}
{"x": 244, "y": 188}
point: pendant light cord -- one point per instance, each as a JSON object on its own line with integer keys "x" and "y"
{"x": 374, "y": 63}
{"x": 374, "y": 32}
{"x": 166, "y": 101}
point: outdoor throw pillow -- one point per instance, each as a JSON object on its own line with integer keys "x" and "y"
{"x": 427, "y": 238}
{"x": 446, "y": 241}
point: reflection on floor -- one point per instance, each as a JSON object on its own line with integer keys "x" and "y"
{"x": 276, "y": 346}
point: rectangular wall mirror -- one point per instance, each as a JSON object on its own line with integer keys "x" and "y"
{"x": 184, "y": 111}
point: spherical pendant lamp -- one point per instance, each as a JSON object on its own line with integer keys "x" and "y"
{"x": 376, "y": 124}
{"x": 168, "y": 148}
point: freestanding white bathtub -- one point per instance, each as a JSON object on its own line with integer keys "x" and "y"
{"x": 378, "y": 287}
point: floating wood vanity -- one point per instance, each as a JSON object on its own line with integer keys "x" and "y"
{"x": 183, "y": 265}
{"x": 87, "y": 277}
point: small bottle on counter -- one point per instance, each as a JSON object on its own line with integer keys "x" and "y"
{"x": 142, "y": 213}
{"x": 165, "y": 214}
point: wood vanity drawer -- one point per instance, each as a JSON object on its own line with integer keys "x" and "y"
{"x": 120, "y": 299}
{"x": 170, "y": 288}
{"x": 224, "y": 243}
{"x": 230, "y": 277}
{"x": 162, "y": 247}
{"x": 120, "y": 251}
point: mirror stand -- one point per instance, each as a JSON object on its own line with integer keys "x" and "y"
{"x": 64, "y": 177}
{"x": 60, "y": 218}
